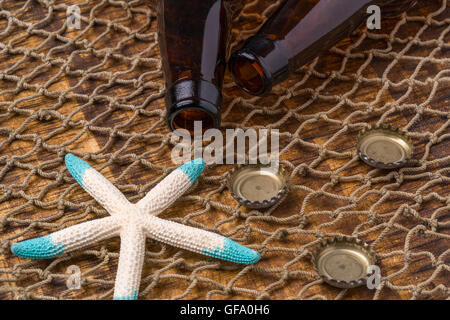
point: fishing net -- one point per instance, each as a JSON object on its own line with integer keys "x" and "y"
{"x": 97, "y": 92}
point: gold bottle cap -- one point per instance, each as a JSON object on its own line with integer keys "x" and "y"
{"x": 384, "y": 147}
{"x": 257, "y": 186}
{"x": 343, "y": 261}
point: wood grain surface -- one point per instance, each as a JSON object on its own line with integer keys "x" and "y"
{"x": 52, "y": 197}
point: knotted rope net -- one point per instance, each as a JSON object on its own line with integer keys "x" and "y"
{"x": 97, "y": 92}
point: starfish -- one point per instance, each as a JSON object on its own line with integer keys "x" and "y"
{"x": 133, "y": 223}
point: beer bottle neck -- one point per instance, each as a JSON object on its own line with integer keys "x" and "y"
{"x": 259, "y": 65}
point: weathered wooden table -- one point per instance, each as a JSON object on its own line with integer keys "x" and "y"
{"x": 97, "y": 92}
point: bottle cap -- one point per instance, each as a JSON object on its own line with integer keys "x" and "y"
{"x": 343, "y": 261}
{"x": 257, "y": 186}
{"x": 384, "y": 147}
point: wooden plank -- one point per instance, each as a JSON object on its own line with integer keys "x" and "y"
{"x": 278, "y": 275}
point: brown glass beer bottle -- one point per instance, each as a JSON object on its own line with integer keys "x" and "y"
{"x": 193, "y": 37}
{"x": 296, "y": 33}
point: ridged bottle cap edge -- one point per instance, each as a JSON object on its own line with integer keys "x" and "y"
{"x": 354, "y": 242}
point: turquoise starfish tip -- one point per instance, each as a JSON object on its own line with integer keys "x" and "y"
{"x": 132, "y": 297}
{"x": 76, "y": 167}
{"x": 193, "y": 169}
{"x": 38, "y": 248}
{"x": 234, "y": 252}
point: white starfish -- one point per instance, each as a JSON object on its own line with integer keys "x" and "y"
{"x": 134, "y": 222}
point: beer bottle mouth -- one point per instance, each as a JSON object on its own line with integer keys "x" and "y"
{"x": 258, "y": 65}
{"x": 186, "y": 118}
{"x": 193, "y": 100}
{"x": 248, "y": 73}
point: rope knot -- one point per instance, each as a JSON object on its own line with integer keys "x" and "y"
{"x": 434, "y": 139}
{"x": 323, "y": 152}
{"x": 407, "y": 212}
{"x": 282, "y": 234}
{"x": 303, "y": 171}
{"x": 335, "y": 179}
{"x": 302, "y": 221}
{"x": 23, "y": 295}
{"x": 398, "y": 177}
{"x": 418, "y": 198}
{"x": 367, "y": 180}
{"x": 43, "y": 115}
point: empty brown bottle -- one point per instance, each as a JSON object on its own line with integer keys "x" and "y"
{"x": 295, "y": 34}
{"x": 193, "y": 38}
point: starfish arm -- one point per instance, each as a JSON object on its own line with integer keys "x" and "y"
{"x": 132, "y": 251}
{"x": 171, "y": 188}
{"x": 66, "y": 240}
{"x": 97, "y": 185}
{"x": 197, "y": 240}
